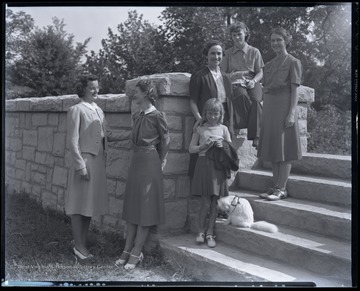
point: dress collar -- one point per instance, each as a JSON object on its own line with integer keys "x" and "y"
{"x": 149, "y": 110}
{"x": 244, "y": 49}
{"x": 92, "y": 105}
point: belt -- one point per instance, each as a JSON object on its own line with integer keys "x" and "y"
{"x": 147, "y": 148}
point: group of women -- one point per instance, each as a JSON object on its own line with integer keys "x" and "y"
{"x": 232, "y": 77}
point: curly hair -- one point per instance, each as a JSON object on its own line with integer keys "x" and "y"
{"x": 82, "y": 83}
{"x": 236, "y": 27}
{"x": 211, "y": 105}
{"x": 284, "y": 34}
{"x": 209, "y": 44}
{"x": 148, "y": 87}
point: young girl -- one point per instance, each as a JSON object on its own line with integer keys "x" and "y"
{"x": 144, "y": 196}
{"x": 209, "y": 182}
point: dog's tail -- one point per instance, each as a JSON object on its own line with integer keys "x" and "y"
{"x": 264, "y": 226}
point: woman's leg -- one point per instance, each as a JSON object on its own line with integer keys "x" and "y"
{"x": 284, "y": 173}
{"x": 204, "y": 209}
{"x": 131, "y": 230}
{"x": 79, "y": 223}
{"x": 276, "y": 174}
{"x": 86, "y": 225}
{"x": 255, "y": 113}
{"x": 141, "y": 236}
{"x": 212, "y": 215}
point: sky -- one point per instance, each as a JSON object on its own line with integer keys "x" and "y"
{"x": 84, "y": 22}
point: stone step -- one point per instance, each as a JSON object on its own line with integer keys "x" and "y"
{"x": 325, "y": 190}
{"x": 228, "y": 264}
{"x": 322, "y": 165}
{"x": 313, "y": 252}
{"x": 324, "y": 219}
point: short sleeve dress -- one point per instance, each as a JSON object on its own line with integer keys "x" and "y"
{"x": 144, "y": 194}
{"x": 277, "y": 143}
{"x": 208, "y": 180}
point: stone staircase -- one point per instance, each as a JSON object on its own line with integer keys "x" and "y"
{"x": 314, "y": 239}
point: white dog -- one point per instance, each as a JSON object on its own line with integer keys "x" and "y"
{"x": 240, "y": 213}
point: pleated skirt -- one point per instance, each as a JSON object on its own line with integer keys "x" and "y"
{"x": 208, "y": 180}
{"x": 144, "y": 195}
{"x": 88, "y": 198}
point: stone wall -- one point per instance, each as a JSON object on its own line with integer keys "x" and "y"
{"x": 37, "y": 160}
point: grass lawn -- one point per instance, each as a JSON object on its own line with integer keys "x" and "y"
{"x": 38, "y": 248}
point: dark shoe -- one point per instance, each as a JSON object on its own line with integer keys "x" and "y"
{"x": 81, "y": 256}
{"x": 255, "y": 143}
{"x": 267, "y": 193}
{"x": 277, "y": 195}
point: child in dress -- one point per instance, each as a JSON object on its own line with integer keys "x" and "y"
{"x": 144, "y": 196}
{"x": 209, "y": 182}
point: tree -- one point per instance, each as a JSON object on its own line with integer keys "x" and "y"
{"x": 48, "y": 63}
{"x": 136, "y": 50}
{"x": 17, "y": 29}
{"x": 186, "y": 29}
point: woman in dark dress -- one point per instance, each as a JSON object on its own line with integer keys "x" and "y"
{"x": 144, "y": 196}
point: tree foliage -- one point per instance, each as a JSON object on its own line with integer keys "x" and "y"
{"x": 48, "y": 64}
{"x": 135, "y": 50}
{"x": 18, "y": 26}
{"x": 321, "y": 40}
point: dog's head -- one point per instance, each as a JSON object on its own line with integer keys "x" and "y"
{"x": 227, "y": 203}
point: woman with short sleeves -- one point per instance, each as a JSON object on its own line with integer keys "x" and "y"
{"x": 244, "y": 64}
{"x": 279, "y": 135}
{"x": 144, "y": 206}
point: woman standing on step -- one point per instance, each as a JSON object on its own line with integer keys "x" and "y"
{"x": 279, "y": 134}
{"x": 211, "y": 142}
{"x": 87, "y": 137}
{"x": 144, "y": 196}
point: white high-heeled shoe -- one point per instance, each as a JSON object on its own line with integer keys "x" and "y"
{"x": 81, "y": 256}
{"x": 132, "y": 266}
{"x": 123, "y": 261}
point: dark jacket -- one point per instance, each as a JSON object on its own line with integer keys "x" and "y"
{"x": 202, "y": 87}
{"x": 225, "y": 158}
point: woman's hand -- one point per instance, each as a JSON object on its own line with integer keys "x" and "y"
{"x": 197, "y": 124}
{"x": 250, "y": 84}
{"x": 163, "y": 164}
{"x": 84, "y": 174}
{"x": 290, "y": 120}
{"x": 206, "y": 145}
{"x": 218, "y": 143}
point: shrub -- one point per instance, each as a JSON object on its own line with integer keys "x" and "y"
{"x": 329, "y": 130}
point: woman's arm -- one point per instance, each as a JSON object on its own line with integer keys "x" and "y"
{"x": 73, "y": 129}
{"x": 112, "y": 136}
{"x": 290, "y": 119}
{"x": 259, "y": 75}
{"x": 164, "y": 149}
{"x": 195, "y": 111}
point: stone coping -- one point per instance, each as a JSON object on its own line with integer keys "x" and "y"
{"x": 108, "y": 103}
{"x": 168, "y": 84}
{"x": 177, "y": 84}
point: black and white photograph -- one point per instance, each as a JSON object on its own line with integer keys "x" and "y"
{"x": 180, "y": 144}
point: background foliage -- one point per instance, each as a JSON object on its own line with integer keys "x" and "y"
{"x": 43, "y": 62}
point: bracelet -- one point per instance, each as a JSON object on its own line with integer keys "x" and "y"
{"x": 255, "y": 81}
